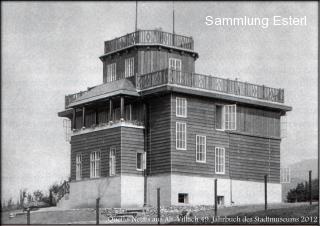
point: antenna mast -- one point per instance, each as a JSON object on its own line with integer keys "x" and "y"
{"x": 173, "y": 17}
{"x": 136, "y": 25}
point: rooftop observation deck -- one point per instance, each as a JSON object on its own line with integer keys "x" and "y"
{"x": 192, "y": 81}
{"x": 149, "y": 37}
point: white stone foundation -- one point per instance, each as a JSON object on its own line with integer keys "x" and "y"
{"x": 127, "y": 191}
{"x": 200, "y": 190}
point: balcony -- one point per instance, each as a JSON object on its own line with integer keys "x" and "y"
{"x": 210, "y": 83}
{"x": 151, "y": 37}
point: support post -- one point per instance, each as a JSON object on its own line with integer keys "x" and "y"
{"x": 110, "y": 110}
{"x": 83, "y": 117}
{"x": 97, "y": 210}
{"x": 215, "y": 197}
{"x": 265, "y": 192}
{"x": 96, "y": 117}
{"x": 28, "y": 216}
{"x": 158, "y": 205}
{"x": 74, "y": 118}
{"x": 310, "y": 187}
{"x": 122, "y": 108}
{"x": 145, "y": 151}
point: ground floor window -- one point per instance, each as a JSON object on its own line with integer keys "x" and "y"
{"x": 183, "y": 198}
{"x": 112, "y": 162}
{"x": 78, "y": 167}
{"x": 95, "y": 164}
{"x": 220, "y": 200}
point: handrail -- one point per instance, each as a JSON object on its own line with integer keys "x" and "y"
{"x": 194, "y": 80}
{"x": 149, "y": 37}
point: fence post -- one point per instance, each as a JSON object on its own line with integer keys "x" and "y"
{"x": 158, "y": 204}
{"x": 215, "y": 197}
{"x": 266, "y": 192}
{"x": 28, "y": 216}
{"x": 97, "y": 210}
{"x": 310, "y": 187}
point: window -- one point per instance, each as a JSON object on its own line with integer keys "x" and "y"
{"x": 78, "y": 167}
{"x": 230, "y": 117}
{"x": 95, "y": 164}
{"x": 112, "y": 162}
{"x": 111, "y": 72}
{"x": 141, "y": 161}
{"x": 181, "y": 107}
{"x": 220, "y": 200}
{"x": 129, "y": 67}
{"x": 220, "y": 160}
{"x": 181, "y": 138}
{"x": 201, "y": 148}
{"x": 175, "y": 66}
{"x": 183, "y": 198}
{"x": 226, "y": 117}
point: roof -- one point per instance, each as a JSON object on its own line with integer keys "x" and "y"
{"x": 122, "y": 86}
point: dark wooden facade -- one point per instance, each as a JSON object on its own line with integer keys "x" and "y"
{"x": 251, "y": 151}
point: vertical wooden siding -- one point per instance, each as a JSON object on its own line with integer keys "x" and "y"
{"x": 154, "y": 60}
{"x": 158, "y": 155}
{"x": 96, "y": 141}
{"x": 200, "y": 121}
{"x": 248, "y": 157}
{"x": 132, "y": 141}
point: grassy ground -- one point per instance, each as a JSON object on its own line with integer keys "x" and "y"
{"x": 253, "y": 214}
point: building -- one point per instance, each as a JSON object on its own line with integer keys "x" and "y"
{"x": 156, "y": 123}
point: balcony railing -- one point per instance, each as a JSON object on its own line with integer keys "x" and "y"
{"x": 211, "y": 83}
{"x": 149, "y": 37}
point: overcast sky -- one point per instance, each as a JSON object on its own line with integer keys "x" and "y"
{"x": 50, "y": 49}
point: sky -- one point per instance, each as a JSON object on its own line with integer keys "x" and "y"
{"x": 50, "y": 49}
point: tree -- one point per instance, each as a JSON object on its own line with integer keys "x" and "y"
{"x": 301, "y": 192}
{"x": 38, "y": 195}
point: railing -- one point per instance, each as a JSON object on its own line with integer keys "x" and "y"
{"x": 72, "y": 97}
{"x": 63, "y": 189}
{"x": 168, "y": 76}
{"x": 149, "y": 37}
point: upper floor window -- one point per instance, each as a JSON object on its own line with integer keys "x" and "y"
{"x": 95, "y": 164}
{"x": 181, "y": 135}
{"x": 226, "y": 117}
{"x": 112, "y": 162}
{"x": 175, "y": 70}
{"x": 141, "y": 161}
{"x": 111, "y": 72}
{"x": 78, "y": 166}
{"x": 175, "y": 64}
{"x": 220, "y": 160}
{"x": 181, "y": 107}
{"x": 129, "y": 67}
{"x": 201, "y": 148}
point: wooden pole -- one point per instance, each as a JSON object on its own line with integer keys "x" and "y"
{"x": 28, "y": 216}
{"x": 215, "y": 197}
{"x": 97, "y": 210}
{"x": 136, "y": 25}
{"x": 158, "y": 205}
{"x": 310, "y": 187}
{"x": 145, "y": 151}
{"x": 265, "y": 192}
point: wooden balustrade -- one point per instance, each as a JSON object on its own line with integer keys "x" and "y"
{"x": 149, "y": 37}
{"x": 168, "y": 76}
